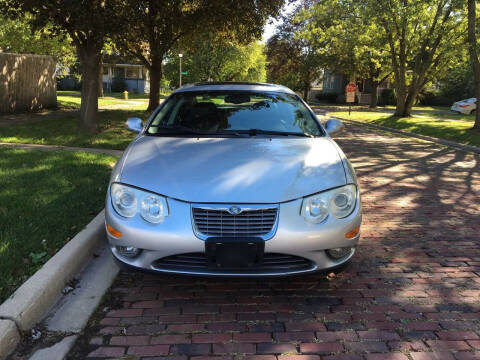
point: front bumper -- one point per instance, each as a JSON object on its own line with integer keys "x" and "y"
{"x": 175, "y": 236}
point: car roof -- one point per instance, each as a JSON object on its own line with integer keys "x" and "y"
{"x": 228, "y": 85}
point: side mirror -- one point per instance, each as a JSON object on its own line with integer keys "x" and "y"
{"x": 334, "y": 126}
{"x": 134, "y": 125}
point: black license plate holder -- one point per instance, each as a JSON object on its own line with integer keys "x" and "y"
{"x": 234, "y": 253}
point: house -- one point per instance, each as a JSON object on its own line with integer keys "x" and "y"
{"x": 334, "y": 83}
{"x": 134, "y": 77}
{"x": 117, "y": 76}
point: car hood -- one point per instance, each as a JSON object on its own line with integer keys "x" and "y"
{"x": 233, "y": 170}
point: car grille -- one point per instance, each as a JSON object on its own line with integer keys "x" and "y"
{"x": 193, "y": 262}
{"x": 220, "y": 223}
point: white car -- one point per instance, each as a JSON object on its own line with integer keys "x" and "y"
{"x": 467, "y": 106}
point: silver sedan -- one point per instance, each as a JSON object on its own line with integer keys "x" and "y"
{"x": 233, "y": 179}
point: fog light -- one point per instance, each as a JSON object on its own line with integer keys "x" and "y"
{"x": 339, "y": 253}
{"x": 128, "y": 251}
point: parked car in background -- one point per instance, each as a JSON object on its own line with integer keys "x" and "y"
{"x": 234, "y": 179}
{"x": 468, "y": 106}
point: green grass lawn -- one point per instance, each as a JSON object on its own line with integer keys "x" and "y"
{"x": 118, "y": 96}
{"x": 455, "y": 127}
{"x": 71, "y": 100}
{"x": 61, "y": 127}
{"x": 45, "y": 199}
{"x": 379, "y": 108}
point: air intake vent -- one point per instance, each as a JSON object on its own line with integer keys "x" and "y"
{"x": 192, "y": 262}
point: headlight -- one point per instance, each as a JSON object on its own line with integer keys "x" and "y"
{"x": 153, "y": 209}
{"x": 343, "y": 201}
{"x": 128, "y": 201}
{"x": 124, "y": 200}
{"x": 339, "y": 202}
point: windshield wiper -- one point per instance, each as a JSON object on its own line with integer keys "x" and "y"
{"x": 254, "y": 132}
{"x": 180, "y": 129}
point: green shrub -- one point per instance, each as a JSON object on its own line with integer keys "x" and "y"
{"x": 341, "y": 99}
{"x": 69, "y": 83}
{"x": 330, "y": 98}
{"x": 119, "y": 84}
{"x": 458, "y": 83}
{"x": 432, "y": 97}
{"x": 387, "y": 97}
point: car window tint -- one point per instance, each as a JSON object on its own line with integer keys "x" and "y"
{"x": 212, "y": 112}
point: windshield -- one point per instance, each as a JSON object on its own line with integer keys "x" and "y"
{"x": 234, "y": 112}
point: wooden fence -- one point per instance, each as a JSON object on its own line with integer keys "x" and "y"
{"x": 27, "y": 82}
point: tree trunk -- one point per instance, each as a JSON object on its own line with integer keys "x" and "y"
{"x": 155, "y": 78}
{"x": 374, "y": 97}
{"x": 400, "y": 108}
{"x": 476, "y": 125}
{"x": 472, "y": 49}
{"x": 306, "y": 91}
{"x": 306, "y": 88}
{"x": 90, "y": 57}
{"x": 100, "y": 79}
{"x": 412, "y": 95}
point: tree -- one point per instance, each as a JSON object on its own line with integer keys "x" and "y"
{"x": 422, "y": 38}
{"x": 293, "y": 59}
{"x": 157, "y": 26}
{"x": 458, "y": 82}
{"x": 283, "y": 62}
{"x": 346, "y": 41}
{"x": 217, "y": 59}
{"x": 87, "y": 24}
{"x": 17, "y": 36}
{"x": 472, "y": 48}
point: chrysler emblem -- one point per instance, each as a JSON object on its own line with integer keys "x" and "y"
{"x": 234, "y": 210}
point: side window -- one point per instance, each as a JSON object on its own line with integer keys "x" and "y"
{"x": 165, "y": 115}
{"x": 172, "y": 117}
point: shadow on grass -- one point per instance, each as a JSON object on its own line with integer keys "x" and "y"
{"x": 64, "y": 130}
{"x": 65, "y": 104}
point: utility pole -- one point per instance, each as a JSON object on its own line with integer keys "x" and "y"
{"x": 180, "y": 56}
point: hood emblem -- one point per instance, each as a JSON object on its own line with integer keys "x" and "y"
{"x": 234, "y": 210}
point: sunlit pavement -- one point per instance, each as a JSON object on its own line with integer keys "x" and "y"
{"x": 411, "y": 292}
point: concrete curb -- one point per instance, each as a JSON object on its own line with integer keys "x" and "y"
{"x": 57, "y": 351}
{"x": 453, "y": 144}
{"x": 38, "y": 294}
{"x": 71, "y": 313}
{"x": 9, "y": 337}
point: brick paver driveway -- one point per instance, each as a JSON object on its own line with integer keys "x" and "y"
{"x": 412, "y": 291}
